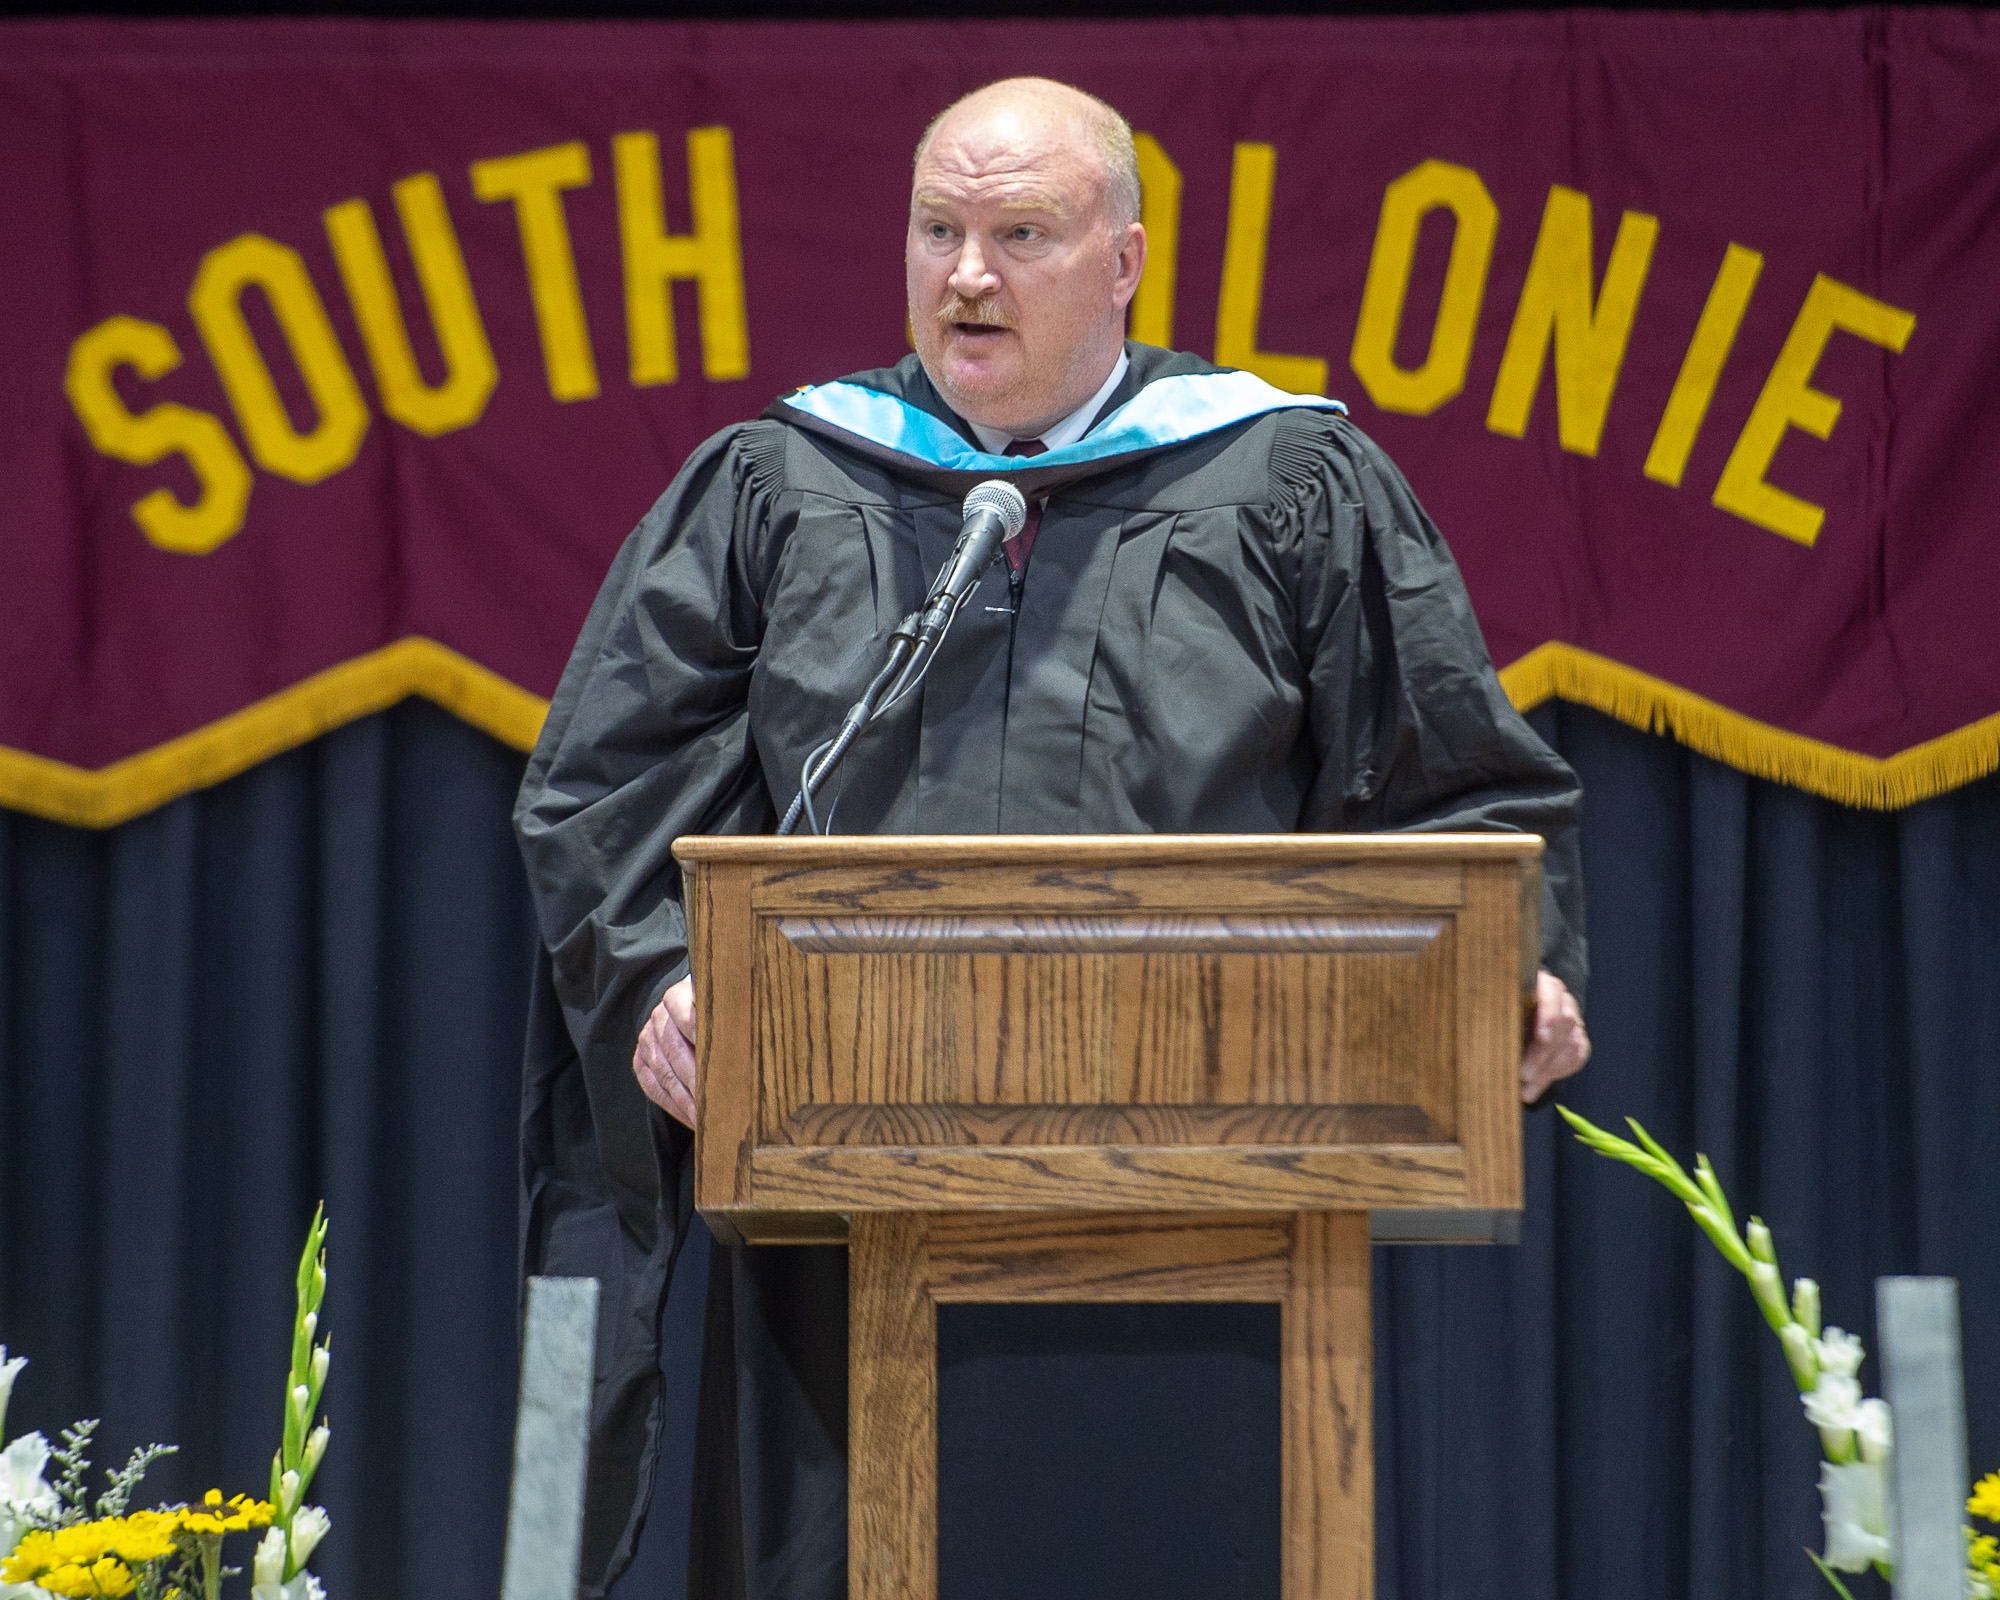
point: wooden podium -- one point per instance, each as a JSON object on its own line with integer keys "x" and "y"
{"x": 1139, "y": 1068}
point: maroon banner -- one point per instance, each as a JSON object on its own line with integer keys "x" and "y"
{"x": 341, "y": 356}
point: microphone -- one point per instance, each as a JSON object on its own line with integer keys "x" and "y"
{"x": 993, "y": 513}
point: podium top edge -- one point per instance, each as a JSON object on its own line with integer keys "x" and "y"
{"x": 1123, "y": 849}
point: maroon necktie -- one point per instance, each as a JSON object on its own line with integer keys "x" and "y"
{"x": 1017, "y": 548}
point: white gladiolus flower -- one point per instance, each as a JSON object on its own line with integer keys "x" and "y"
{"x": 308, "y": 1528}
{"x": 1876, "y": 1431}
{"x": 1834, "y": 1407}
{"x": 24, "y": 1497}
{"x": 1833, "y": 1402}
{"x": 1840, "y": 1352}
{"x": 1857, "y": 1523}
{"x": 267, "y": 1567}
{"x": 9, "y": 1371}
{"x": 304, "y": 1587}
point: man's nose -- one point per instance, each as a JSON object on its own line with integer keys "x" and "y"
{"x": 971, "y": 277}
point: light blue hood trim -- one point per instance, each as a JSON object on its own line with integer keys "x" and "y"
{"x": 1167, "y": 411}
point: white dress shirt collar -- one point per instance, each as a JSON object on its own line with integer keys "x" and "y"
{"x": 994, "y": 441}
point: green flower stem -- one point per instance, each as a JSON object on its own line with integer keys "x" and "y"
{"x": 1830, "y": 1575}
{"x": 297, "y": 1458}
{"x": 1756, "y": 1258}
{"x": 211, "y": 1566}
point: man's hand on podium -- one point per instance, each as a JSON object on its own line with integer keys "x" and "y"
{"x": 1559, "y": 1045}
{"x": 664, "y": 1061}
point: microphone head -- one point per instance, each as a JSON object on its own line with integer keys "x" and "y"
{"x": 1003, "y": 500}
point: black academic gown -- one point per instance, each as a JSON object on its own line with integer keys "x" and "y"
{"x": 1256, "y": 630}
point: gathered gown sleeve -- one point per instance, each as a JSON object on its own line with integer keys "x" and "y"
{"x": 648, "y": 738}
{"x": 1412, "y": 728}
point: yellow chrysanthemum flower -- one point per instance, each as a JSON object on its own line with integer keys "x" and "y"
{"x": 105, "y": 1577}
{"x": 1985, "y": 1501}
{"x": 238, "y": 1515}
{"x": 79, "y": 1550}
{"x": 62, "y": 1559}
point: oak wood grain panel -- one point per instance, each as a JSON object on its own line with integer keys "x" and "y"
{"x": 1328, "y": 1408}
{"x": 1164, "y": 932}
{"x": 892, "y": 1411}
{"x": 1489, "y": 1040}
{"x": 1170, "y": 1029}
{"x": 1074, "y": 1177}
{"x": 719, "y": 923}
{"x": 945, "y": 1123}
{"x": 1390, "y": 1026}
{"x": 1093, "y": 1257}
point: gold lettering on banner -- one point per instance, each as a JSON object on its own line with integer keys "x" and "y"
{"x": 1589, "y": 333}
{"x": 535, "y": 181}
{"x": 1428, "y": 187}
{"x": 1152, "y": 315}
{"x": 1789, "y": 400}
{"x": 216, "y": 302}
{"x": 711, "y": 256}
{"x": 469, "y": 370}
{"x": 1701, "y": 368}
{"x": 165, "y": 430}
{"x": 1252, "y": 178}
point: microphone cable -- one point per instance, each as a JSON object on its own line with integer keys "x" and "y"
{"x": 994, "y": 512}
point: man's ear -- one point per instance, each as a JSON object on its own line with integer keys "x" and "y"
{"x": 1131, "y": 265}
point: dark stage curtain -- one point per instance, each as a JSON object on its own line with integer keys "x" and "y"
{"x": 311, "y": 981}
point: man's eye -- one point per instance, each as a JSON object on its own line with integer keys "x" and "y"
{"x": 939, "y": 231}
{"x": 1023, "y": 234}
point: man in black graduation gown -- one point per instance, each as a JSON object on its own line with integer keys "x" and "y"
{"x": 1228, "y": 613}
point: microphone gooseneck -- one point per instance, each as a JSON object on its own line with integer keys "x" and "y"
{"x": 993, "y": 513}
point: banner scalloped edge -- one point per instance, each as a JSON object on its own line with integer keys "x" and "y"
{"x": 1565, "y": 672}
{"x": 107, "y": 796}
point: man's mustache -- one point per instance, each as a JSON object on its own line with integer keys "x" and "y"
{"x": 986, "y": 313}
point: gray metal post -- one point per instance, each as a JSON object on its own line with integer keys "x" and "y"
{"x": 551, "y": 1441}
{"x": 1923, "y": 1379}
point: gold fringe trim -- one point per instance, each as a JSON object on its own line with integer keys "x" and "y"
{"x": 110, "y": 795}
{"x": 126, "y": 789}
{"x": 1562, "y": 671}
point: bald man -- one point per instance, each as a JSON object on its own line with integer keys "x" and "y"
{"x": 1227, "y": 613}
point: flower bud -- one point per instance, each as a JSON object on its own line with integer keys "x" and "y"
{"x": 267, "y": 1567}
{"x": 1769, "y": 1289}
{"x": 288, "y": 1494}
{"x": 308, "y": 1528}
{"x": 301, "y": 1403}
{"x": 1800, "y": 1355}
{"x": 311, "y": 1324}
{"x": 1805, "y": 1304}
{"x": 1840, "y": 1352}
{"x": 1758, "y": 1237}
{"x": 322, "y": 1359}
{"x": 316, "y": 1447}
